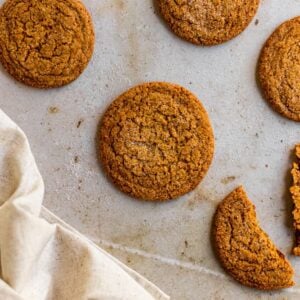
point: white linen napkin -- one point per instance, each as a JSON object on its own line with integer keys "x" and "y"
{"x": 41, "y": 257}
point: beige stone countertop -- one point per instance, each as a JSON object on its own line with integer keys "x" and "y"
{"x": 169, "y": 243}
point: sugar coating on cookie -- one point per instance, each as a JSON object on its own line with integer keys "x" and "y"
{"x": 45, "y": 43}
{"x": 295, "y": 192}
{"x": 244, "y": 249}
{"x": 207, "y": 22}
{"x": 156, "y": 142}
{"x": 279, "y": 69}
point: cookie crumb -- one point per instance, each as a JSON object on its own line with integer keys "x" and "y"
{"x": 76, "y": 159}
{"x": 256, "y": 22}
{"x": 228, "y": 179}
{"x": 79, "y": 123}
{"x": 53, "y": 110}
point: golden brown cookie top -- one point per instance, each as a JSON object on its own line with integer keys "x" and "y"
{"x": 245, "y": 250}
{"x": 45, "y": 43}
{"x": 208, "y": 22}
{"x": 156, "y": 141}
{"x": 279, "y": 69}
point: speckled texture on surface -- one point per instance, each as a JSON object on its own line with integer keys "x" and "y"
{"x": 254, "y": 145}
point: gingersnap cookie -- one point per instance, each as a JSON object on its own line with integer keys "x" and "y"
{"x": 279, "y": 69}
{"x": 295, "y": 192}
{"x": 244, "y": 249}
{"x": 45, "y": 43}
{"x": 156, "y": 141}
{"x": 206, "y": 22}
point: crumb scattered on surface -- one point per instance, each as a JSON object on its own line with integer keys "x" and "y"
{"x": 79, "y": 184}
{"x": 76, "y": 159}
{"x": 228, "y": 179}
{"x": 256, "y": 22}
{"x": 53, "y": 110}
{"x": 79, "y": 123}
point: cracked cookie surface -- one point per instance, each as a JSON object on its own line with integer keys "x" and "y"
{"x": 45, "y": 43}
{"x": 295, "y": 192}
{"x": 244, "y": 249}
{"x": 279, "y": 69}
{"x": 156, "y": 141}
{"x": 206, "y": 22}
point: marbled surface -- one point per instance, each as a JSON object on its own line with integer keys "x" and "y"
{"x": 169, "y": 243}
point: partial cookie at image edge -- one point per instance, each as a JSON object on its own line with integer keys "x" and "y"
{"x": 245, "y": 251}
{"x": 295, "y": 193}
{"x": 277, "y": 69}
{"x": 207, "y": 26}
{"x": 45, "y": 57}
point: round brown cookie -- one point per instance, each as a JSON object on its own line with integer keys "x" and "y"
{"x": 156, "y": 141}
{"x": 279, "y": 69}
{"x": 244, "y": 249}
{"x": 208, "y": 22}
{"x": 45, "y": 43}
